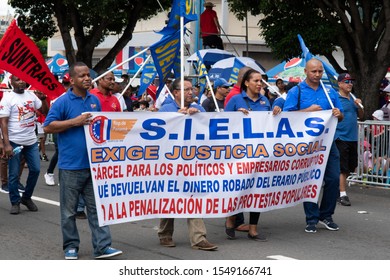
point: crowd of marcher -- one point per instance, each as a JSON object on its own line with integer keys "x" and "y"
{"x": 28, "y": 116}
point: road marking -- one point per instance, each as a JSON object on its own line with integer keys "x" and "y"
{"x": 280, "y": 257}
{"x": 48, "y": 201}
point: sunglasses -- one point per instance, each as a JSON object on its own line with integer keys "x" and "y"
{"x": 349, "y": 82}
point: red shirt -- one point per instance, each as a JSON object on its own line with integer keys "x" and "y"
{"x": 207, "y": 24}
{"x": 108, "y": 102}
{"x": 235, "y": 90}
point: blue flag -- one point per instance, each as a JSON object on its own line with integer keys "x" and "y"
{"x": 180, "y": 8}
{"x": 164, "y": 54}
{"x": 202, "y": 73}
{"x": 331, "y": 74}
{"x": 147, "y": 77}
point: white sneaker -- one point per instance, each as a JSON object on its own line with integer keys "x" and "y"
{"x": 49, "y": 179}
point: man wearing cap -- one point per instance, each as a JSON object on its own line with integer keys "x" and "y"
{"x": 386, "y": 106}
{"x": 309, "y": 96}
{"x": 103, "y": 91}
{"x": 210, "y": 28}
{"x": 347, "y": 133}
{"x": 117, "y": 92}
{"x": 221, "y": 90}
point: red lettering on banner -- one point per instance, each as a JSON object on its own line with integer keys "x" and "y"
{"x": 295, "y": 195}
{"x": 135, "y": 170}
{"x": 109, "y": 172}
{"x": 212, "y": 205}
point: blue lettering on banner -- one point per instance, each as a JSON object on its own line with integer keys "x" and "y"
{"x": 154, "y": 130}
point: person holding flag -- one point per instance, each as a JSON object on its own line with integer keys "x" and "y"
{"x": 347, "y": 133}
{"x": 196, "y": 226}
{"x": 309, "y": 96}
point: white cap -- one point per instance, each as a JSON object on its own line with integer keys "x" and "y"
{"x": 118, "y": 80}
{"x": 387, "y": 89}
{"x": 378, "y": 114}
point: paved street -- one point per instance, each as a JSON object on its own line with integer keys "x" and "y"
{"x": 37, "y": 236}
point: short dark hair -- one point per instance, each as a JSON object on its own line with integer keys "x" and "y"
{"x": 72, "y": 72}
{"x": 176, "y": 83}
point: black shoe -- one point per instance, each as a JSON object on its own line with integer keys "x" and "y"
{"x": 15, "y": 209}
{"x": 258, "y": 237}
{"x": 344, "y": 200}
{"x": 21, "y": 188}
{"x": 230, "y": 232}
{"x": 329, "y": 224}
{"x": 311, "y": 228}
{"x": 44, "y": 157}
{"x": 29, "y": 204}
{"x": 81, "y": 215}
{"x": 4, "y": 188}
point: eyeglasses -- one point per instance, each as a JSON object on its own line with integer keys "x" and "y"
{"x": 349, "y": 82}
{"x": 186, "y": 89}
{"x": 226, "y": 87}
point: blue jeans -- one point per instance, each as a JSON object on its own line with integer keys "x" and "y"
{"x": 81, "y": 204}
{"x": 72, "y": 184}
{"x": 331, "y": 190}
{"x": 31, "y": 154}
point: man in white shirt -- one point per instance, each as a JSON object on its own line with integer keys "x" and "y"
{"x": 18, "y": 114}
{"x": 117, "y": 92}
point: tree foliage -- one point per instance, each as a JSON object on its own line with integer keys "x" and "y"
{"x": 87, "y": 21}
{"x": 360, "y": 28}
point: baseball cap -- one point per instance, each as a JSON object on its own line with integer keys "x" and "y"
{"x": 118, "y": 80}
{"x": 221, "y": 82}
{"x": 66, "y": 78}
{"x": 387, "y": 89}
{"x": 209, "y": 4}
{"x": 343, "y": 77}
{"x": 378, "y": 114}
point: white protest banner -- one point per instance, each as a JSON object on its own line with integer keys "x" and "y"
{"x": 151, "y": 165}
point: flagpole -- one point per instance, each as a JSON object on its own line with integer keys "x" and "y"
{"x": 272, "y": 87}
{"x": 354, "y": 98}
{"x": 135, "y": 75}
{"x": 212, "y": 94}
{"x": 182, "y": 60}
{"x": 119, "y": 65}
{"x": 327, "y": 94}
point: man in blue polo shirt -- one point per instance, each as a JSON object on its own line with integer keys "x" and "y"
{"x": 309, "y": 96}
{"x": 67, "y": 117}
{"x": 347, "y": 133}
{"x": 196, "y": 226}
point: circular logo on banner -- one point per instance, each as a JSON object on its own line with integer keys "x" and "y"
{"x": 97, "y": 129}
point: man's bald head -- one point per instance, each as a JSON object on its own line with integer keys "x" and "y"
{"x": 241, "y": 73}
{"x": 314, "y": 71}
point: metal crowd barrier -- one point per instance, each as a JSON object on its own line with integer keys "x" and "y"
{"x": 373, "y": 154}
